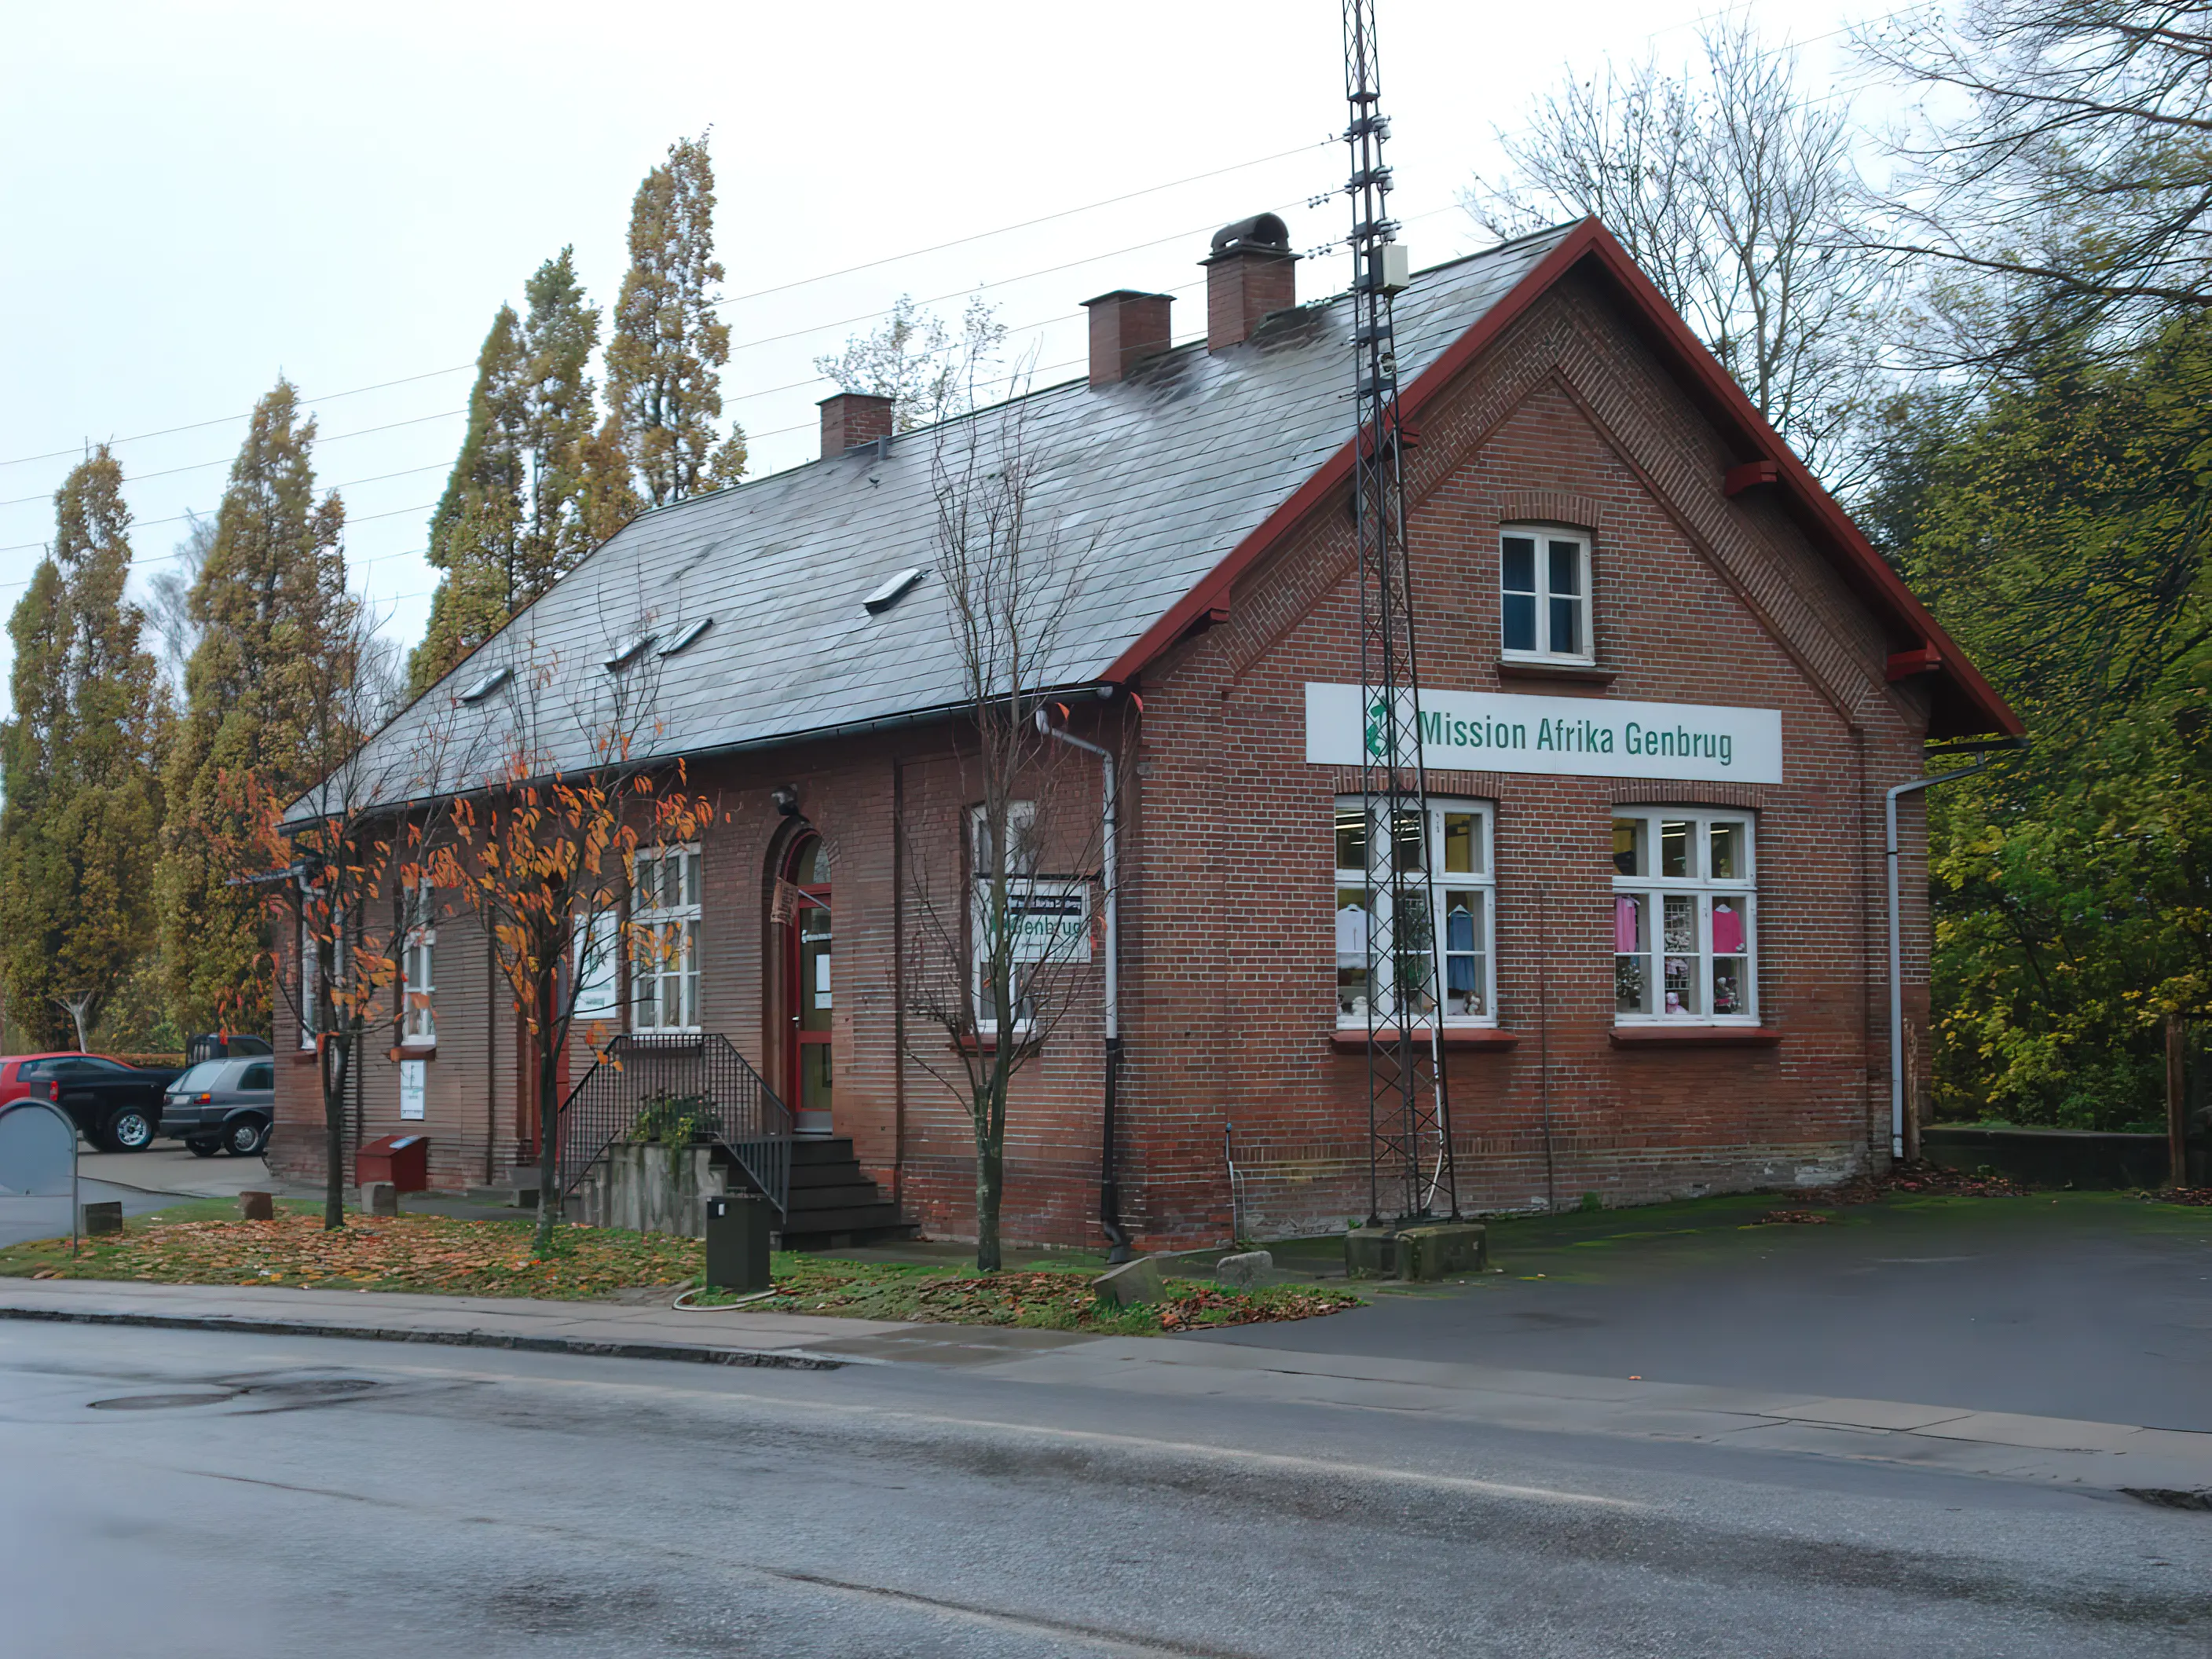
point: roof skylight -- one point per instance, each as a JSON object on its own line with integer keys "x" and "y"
{"x": 488, "y": 683}
{"x": 625, "y": 653}
{"x": 890, "y": 592}
{"x": 689, "y": 635}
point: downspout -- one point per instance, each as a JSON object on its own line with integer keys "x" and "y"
{"x": 1896, "y": 950}
{"x": 1109, "y": 1181}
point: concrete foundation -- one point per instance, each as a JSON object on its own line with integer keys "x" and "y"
{"x": 651, "y": 1189}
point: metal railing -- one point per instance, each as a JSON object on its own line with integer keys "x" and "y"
{"x": 646, "y": 1086}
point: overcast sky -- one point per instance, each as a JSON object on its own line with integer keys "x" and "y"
{"x": 199, "y": 196}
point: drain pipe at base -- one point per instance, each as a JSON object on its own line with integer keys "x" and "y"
{"x": 1896, "y": 951}
{"x": 1110, "y": 1182}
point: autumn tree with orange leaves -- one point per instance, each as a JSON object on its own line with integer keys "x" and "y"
{"x": 543, "y": 853}
{"x": 325, "y": 866}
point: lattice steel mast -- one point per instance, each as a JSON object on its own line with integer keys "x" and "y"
{"x": 1409, "y": 1122}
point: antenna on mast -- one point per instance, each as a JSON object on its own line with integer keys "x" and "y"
{"x": 1410, "y": 1163}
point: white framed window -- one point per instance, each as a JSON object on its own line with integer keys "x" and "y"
{"x": 418, "y": 975}
{"x": 597, "y": 939}
{"x": 1021, "y": 869}
{"x": 665, "y": 940}
{"x": 1685, "y": 916}
{"x": 1544, "y": 590}
{"x": 310, "y": 981}
{"x": 1455, "y": 849}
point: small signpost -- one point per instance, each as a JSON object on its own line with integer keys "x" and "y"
{"x": 38, "y": 1155}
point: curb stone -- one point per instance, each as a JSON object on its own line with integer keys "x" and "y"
{"x": 797, "y": 1359}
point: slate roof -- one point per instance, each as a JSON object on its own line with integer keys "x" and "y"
{"x": 1157, "y": 480}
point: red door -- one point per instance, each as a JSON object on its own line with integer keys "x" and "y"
{"x": 806, "y": 986}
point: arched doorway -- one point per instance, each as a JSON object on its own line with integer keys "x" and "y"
{"x": 806, "y": 983}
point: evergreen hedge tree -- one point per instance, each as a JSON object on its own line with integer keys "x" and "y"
{"x": 666, "y": 358}
{"x": 528, "y": 496}
{"x": 272, "y": 606}
{"x": 83, "y": 811}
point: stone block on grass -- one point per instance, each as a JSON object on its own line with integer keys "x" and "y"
{"x": 257, "y": 1206}
{"x": 1439, "y": 1252}
{"x": 95, "y": 1219}
{"x": 1244, "y": 1271}
{"x": 1130, "y": 1283}
{"x": 380, "y": 1198}
{"x": 1371, "y": 1253}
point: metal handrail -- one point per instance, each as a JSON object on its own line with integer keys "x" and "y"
{"x": 663, "y": 1081}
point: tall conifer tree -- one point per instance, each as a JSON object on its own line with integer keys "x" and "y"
{"x": 518, "y": 511}
{"x": 83, "y": 808}
{"x": 476, "y": 533}
{"x": 272, "y": 606}
{"x": 666, "y": 358}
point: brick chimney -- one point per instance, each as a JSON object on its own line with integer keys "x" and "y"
{"x": 1126, "y": 328}
{"x": 1251, "y": 272}
{"x": 851, "y": 418}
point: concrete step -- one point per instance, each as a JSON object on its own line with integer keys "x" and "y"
{"x": 852, "y": 1218}
{"x": 842, "y": 1196}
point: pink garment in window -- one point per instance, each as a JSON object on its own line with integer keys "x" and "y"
{"x": 1728, "y": 930}
{"x": 1624, "y": 926}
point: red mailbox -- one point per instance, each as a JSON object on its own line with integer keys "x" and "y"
{"x": 403, "y": 1160}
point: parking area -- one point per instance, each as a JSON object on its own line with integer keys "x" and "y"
{"x": 2083, "y": 1305}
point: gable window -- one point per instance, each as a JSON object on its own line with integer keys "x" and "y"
{"x": 417, "y": 968}
{"x": 665, "y": 934}
{"x": 1456, "y": 851}
{"x": 1544, "y": 583}
{"x": 1684, "y": 938}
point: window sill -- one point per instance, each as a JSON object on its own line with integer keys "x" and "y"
{"x": 1468, "y": 1038}
{"x": 1572, "y": 673}
{"x": 413, "y": 1051}
{"x": 1695, "y": 1037}
{"x": 987, "y": 1043}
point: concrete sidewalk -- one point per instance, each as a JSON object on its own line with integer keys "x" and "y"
{"x": 2115, "y": 1457}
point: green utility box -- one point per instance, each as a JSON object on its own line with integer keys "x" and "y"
{"x": 737, "y": 1242}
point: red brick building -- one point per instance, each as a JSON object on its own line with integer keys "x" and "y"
{"x": 1668, "y": 680}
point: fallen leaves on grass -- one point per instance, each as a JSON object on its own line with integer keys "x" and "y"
{"x": 2199, "y": 1197}
{"x": 406, "y": 1253}
{"x": 1041, "y": 1299}
{"x": 1786, "y": 1217}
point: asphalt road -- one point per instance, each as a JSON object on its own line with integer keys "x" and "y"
{"x": 2097, "y": 1307}
{"x": 191, "y": 1494}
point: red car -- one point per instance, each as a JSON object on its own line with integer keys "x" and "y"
{"x": 117, "y": 1107}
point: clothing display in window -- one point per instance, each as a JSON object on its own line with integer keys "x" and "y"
{"x": 1727, "y": 930}
{"x": 1627, "y": 914}
{"x": 1351, "y": 932}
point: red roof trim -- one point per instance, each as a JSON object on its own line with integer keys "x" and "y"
{"x": 1860, "y": 562}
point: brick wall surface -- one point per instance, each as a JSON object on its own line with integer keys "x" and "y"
{"x": 1227, "y": 908}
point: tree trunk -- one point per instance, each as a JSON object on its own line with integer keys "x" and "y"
{"x": 990, "y": 1177}
{"x": 548, "y": 1124}
{"x": 80, "y": 1013}
{"x": 334, "y": 1182}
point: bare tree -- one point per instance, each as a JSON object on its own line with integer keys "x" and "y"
{"x": 919, "y": 363}
{"x": 999, "y": 947}
{"x": 169, "y": 601}
{"x": 1737, "y": 195}
{"x": 2065, "y": 183}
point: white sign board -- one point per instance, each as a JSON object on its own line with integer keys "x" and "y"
{"x": 411, "y": 1088}
{"x": 1050, "y": 919}
{"x": 1575, "y": 736}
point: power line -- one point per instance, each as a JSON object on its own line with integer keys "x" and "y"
{"x": 1065, "y": 213}
{"x": 738, "y": 299}
{"x": 148, "y": 524}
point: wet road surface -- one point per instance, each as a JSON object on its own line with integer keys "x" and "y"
{"x": 188, "y": 1494}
